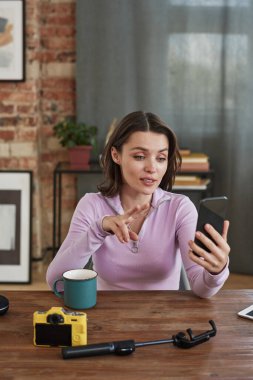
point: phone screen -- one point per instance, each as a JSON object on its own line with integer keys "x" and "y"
{"x": 3, "y": 22}
{"x": 212, "y": 211}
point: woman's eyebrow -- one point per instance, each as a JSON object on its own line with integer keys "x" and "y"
{"x": 146, "y": 150}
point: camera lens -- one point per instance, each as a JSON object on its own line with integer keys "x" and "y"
{"x": 55, "y": 319}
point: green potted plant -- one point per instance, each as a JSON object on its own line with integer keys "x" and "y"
{"x": 79, "y": 138}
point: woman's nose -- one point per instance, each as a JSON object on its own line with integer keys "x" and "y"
{"x": 150, "y": 166}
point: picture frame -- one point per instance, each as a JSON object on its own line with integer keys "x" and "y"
{"x": 15, "y": 226}
{"x": 12, "y": 40}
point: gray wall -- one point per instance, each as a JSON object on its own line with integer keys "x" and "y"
{"x": 191, "y": 63}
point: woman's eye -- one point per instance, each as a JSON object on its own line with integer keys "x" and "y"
{"x": 161, "y": 159}
{"x": 138, "y": 157}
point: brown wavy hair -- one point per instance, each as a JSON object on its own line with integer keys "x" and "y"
{"x": 135, "y": 122}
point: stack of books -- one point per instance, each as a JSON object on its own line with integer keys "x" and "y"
{"x": 194, "y": 162}
{"x": 190, "y": 182}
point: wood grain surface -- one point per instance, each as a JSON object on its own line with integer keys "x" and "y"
{"x": 140, "y": 316}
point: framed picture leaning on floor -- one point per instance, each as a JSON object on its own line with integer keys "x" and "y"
{"x": 15, "y": 226}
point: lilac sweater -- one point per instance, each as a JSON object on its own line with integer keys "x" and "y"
{"x": 152, "y": 263}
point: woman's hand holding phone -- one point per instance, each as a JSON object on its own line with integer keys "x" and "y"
{"x": 216, "y": 259}
{"x": 210, "y": 248}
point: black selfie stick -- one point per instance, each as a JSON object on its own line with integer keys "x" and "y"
{"x": 126, "y": 347}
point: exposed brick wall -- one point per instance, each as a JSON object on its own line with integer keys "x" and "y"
{"x": 28, "y": 110}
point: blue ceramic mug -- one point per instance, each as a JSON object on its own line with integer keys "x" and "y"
{"x": 79, "y": 288}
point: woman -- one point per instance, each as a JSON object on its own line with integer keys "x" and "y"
{"x": 138, "y": 232}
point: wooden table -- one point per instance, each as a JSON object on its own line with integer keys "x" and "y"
{"x": 140, "y": 316}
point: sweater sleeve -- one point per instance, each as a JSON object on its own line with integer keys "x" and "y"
{"x": 203, "y": 283}
{"x": 85, "y": 236}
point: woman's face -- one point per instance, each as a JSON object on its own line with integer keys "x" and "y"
{"x": 143, "y": 161}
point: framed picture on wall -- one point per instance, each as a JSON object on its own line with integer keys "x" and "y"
{"x": 12, "y": 40}
{"x": 15, "y": 226}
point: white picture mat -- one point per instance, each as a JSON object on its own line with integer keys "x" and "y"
{"x": 19, "y": 181}
{"x": 7, "y": 226}
{"x": 13, "y": 11}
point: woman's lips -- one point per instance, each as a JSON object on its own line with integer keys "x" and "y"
{"x": 148, "y": 181}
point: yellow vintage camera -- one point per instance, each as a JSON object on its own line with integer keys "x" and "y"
{"x": 59, "y": 327}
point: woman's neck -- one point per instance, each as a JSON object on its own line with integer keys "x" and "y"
{"x": 129, "y": 201}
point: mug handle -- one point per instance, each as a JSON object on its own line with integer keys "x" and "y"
{"x": 58, "y": 294}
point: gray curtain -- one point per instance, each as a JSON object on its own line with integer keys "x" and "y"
{"x": 191, "y": 62}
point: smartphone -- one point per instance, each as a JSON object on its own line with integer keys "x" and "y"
{"x": 212, "y": 211}
{"x": 246, "y": 313}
